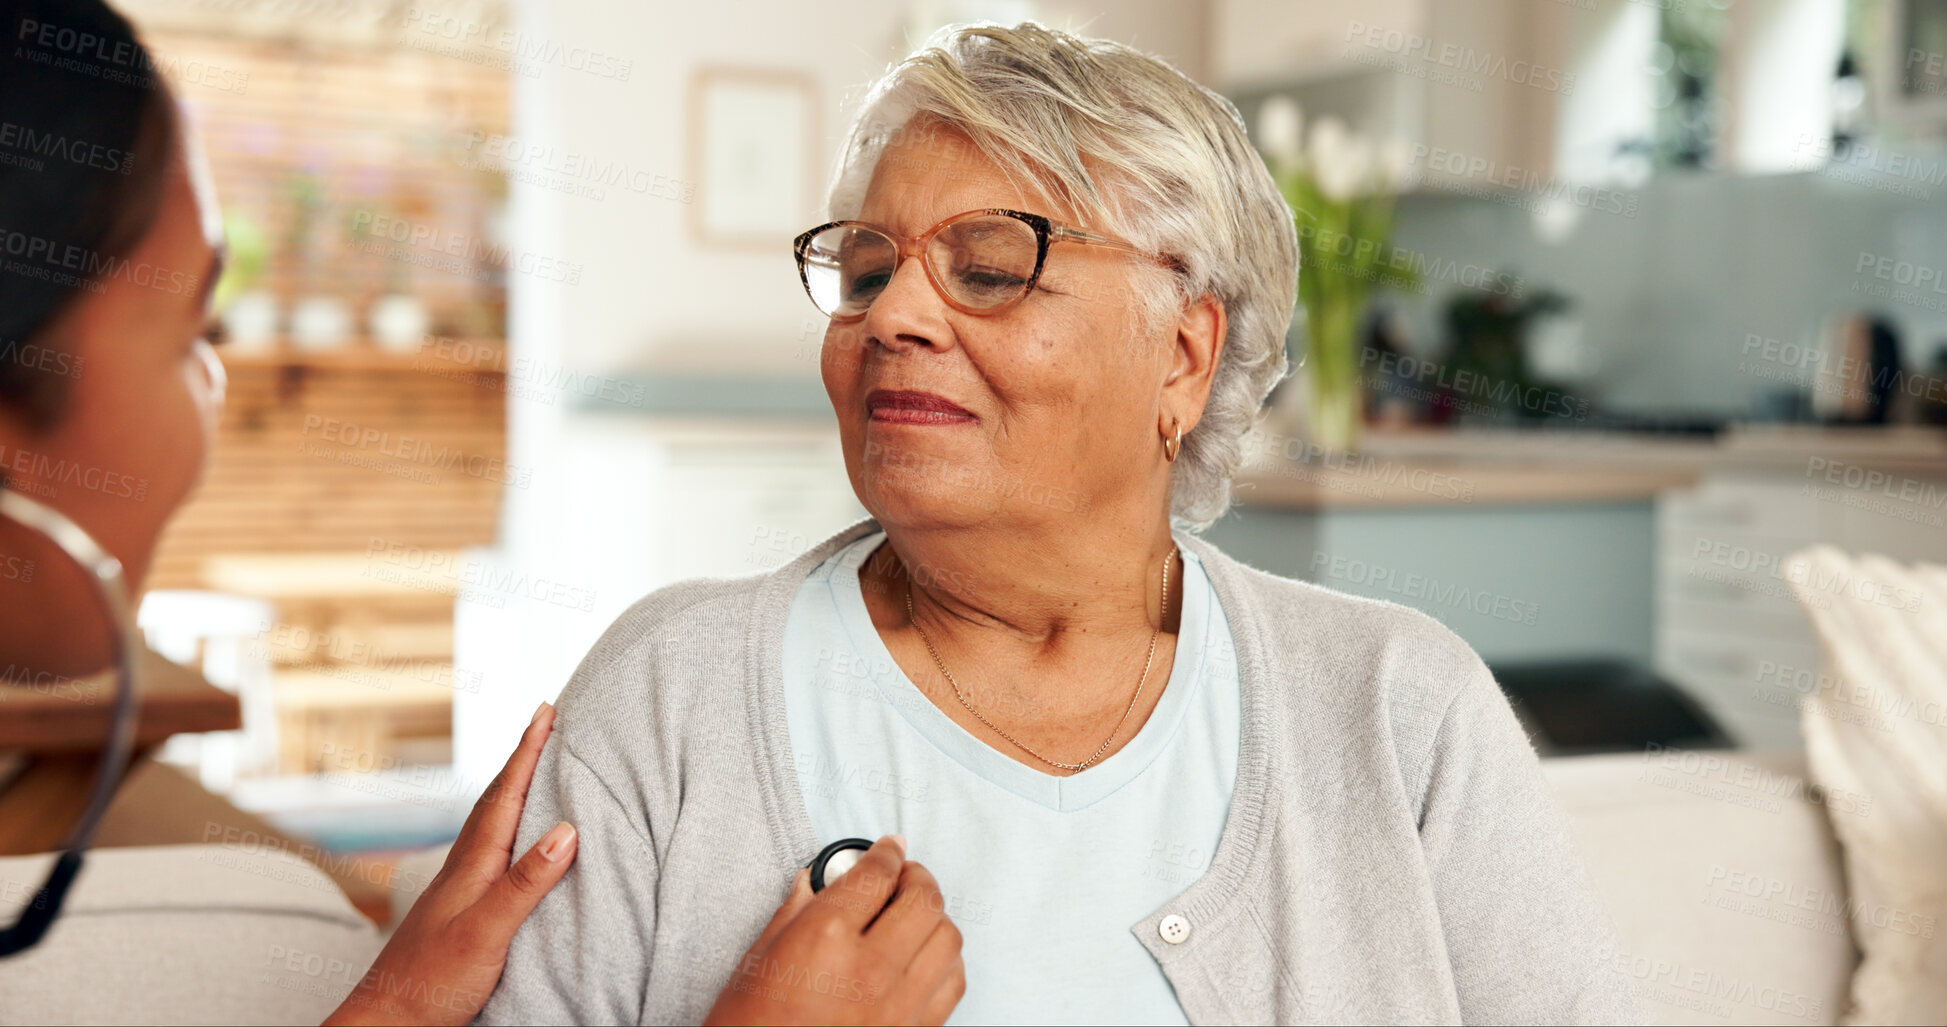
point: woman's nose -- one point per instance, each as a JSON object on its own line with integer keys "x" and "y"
{"x": 908, "y": 312}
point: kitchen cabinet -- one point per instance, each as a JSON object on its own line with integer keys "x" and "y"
{"x": 1487, "y": 94}
{"x": 1499, "y": 96}
{"x": 1667, "y": 552}
{"x": 1520, "y": 582}
{"x": 1729, "y": 629}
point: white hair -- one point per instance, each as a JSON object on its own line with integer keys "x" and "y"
{"x": 1175, "y": 174}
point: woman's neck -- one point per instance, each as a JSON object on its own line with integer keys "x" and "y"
{"x": 1063, "y": 637}
{"x": 54, "y": 624}
{"x": 1039, "y": 589}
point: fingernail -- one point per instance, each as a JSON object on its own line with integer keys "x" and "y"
{"x": 899, "y": 840}
{"x": 555, "y": 842}
{"x": 538, "y": 710}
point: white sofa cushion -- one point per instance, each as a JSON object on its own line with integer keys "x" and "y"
{"x": 1721, "y": 881}
{"x": 1876, "y": 737}
{"x": 185, "y": 934}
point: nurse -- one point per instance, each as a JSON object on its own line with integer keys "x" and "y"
{"x": 109, "y": 395}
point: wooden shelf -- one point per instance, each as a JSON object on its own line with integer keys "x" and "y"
{"x": 425, "y": 463}
{"x": 483, "y": 356}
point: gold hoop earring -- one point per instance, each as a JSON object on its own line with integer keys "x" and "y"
{"x": 1171, "y": 447}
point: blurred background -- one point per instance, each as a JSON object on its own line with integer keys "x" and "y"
{"x": 1608, "y": 307}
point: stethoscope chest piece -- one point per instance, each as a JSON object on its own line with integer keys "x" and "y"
{"x": 835, "y": 860}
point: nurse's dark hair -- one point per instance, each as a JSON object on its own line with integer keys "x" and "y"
{"x": 86, "y": 129}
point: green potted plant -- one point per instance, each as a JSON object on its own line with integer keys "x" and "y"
{"x": 249, "y": 314}
{"x": 397, "y": 320}
{"x": 319, "y": 319}
{"x": 1339, "y": 188}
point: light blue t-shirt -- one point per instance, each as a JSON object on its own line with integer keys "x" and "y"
{"x": 1042, "y": 874}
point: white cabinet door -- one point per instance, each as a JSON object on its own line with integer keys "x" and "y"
{"x": 1730, "y": 629}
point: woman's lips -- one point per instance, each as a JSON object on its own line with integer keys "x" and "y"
{"x": 905, "y": 406}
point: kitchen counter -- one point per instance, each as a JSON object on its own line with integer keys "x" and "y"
{"x": 1489, "y": 467}
{"x": 1659, "y": 551}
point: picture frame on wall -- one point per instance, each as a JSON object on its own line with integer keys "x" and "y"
{"x": 753, "y": 140}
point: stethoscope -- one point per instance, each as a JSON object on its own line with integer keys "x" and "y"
{"x": 835, "y": 859}
{"x": 106, "y": 573}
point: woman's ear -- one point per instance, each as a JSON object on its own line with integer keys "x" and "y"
{"x": 1198, "y": 345}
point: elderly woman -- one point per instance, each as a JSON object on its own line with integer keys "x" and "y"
{"x": 1154, "y": 785}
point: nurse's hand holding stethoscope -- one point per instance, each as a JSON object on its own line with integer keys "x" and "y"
{"x": 873, "y": 946}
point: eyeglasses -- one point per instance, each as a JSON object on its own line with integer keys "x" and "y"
{"x": 980, "y": 262}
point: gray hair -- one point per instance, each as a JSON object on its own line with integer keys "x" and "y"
{"x": 1177, "y": 175}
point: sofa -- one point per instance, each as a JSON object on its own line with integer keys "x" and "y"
{"x": 186, "y": 934}
{"x": 1721, "y": 880}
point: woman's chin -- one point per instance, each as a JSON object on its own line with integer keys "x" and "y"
{"x": 903, "y": 498}
{"x": 945, "y": 452}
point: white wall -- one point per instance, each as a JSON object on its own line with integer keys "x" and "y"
{"x": 1277, "y": 42}
{"x": 650, "y": 297}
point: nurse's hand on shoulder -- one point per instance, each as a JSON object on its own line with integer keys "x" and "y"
{"x": 873, "y": 947}
{"x": 445, "y": 958}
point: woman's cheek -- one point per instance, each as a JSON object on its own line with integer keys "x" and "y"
{"x": 841, "y": 348}
{"x": 194, "y": 416}
{"x": 838, "y": 365}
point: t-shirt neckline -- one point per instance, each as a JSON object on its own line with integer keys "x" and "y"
{"x": 1072, "y": 792}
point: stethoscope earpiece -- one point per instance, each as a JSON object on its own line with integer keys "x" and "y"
{"x": 835, "y": 860}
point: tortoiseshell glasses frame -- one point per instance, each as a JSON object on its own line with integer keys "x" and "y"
{"x": 976, "y": 260}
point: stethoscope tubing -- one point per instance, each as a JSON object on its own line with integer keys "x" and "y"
{"x": 105, "y": 572}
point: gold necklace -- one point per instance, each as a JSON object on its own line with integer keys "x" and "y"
{"x": 1163, "y": 614}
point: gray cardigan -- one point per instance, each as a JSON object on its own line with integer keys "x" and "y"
{"x": 1391, "y": 853}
